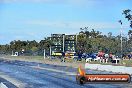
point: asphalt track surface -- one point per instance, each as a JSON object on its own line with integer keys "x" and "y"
{"x": 52, "y": 76}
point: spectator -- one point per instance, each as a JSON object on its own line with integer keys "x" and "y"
{"x": 110, "y": 57}
{"x": 100, "y": 54}
{"x": 79, "y": 55}
{"x": 106, "y": 57}
{"x": 63, "y": 57}
{"x": 123, "y": 56}
{"x": 129, "y": 56}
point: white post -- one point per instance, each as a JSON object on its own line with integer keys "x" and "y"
{"x": 50, "y": 52}
{"x": 106, "y": 60}
{"x": 63, "y": 43}
{"x": 116, "y": 61}
{"x": 12, "y": 52}
{"x": 103, "y": 60}
{"x": 44, "y": 53}
{"x": 100, "y": 60}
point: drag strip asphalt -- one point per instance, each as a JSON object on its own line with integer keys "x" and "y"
{"x": 38, "y": 75}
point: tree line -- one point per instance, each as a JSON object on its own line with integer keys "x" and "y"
{"x": 87, "y": 41}
{"x": 94, "y": 41}
{"x": 26, "y": 47}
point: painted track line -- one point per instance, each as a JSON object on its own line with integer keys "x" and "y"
{"x": 14, "y": 81}
{"x": 2, "y": 85}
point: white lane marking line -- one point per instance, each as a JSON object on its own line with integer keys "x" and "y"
{"x": 54, "y": 70}
{"x": 2, "y": 85}
{"x": 14, "y": 81}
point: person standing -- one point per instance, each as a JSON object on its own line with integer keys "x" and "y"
{"x": 110, "y": 57}
{"x": 79, "y": 56}
{"x": 63, "y": 57}
{"x": 106, "y": 57}
{"x": 129, "y": 56}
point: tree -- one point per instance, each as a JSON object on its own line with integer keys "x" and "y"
{"x": 130, "y": 40}
{"x": 130, "y": 34}
{"x": 128, "y": 16}
{"x": 81, "y": 42}
{"x": 110, "y": 34}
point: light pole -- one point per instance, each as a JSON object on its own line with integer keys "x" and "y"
{"x": 121, "y": 36}
{"x": 63, "y": 43}
{"x": 121, "y": 42}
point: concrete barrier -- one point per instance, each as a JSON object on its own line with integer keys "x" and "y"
{"x": 118, "y": 69}
{"x": 92, "y": 66}
{"x": 2, "y": 85}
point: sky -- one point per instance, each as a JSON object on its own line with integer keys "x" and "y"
{"x": 36, "y": 19}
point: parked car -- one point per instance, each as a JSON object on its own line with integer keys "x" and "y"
{"x": 93, "y": 55}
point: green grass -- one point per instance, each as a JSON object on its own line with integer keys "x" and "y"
{"x": 127, "y": 63}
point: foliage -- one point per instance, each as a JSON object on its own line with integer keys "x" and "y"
{"x": 128, "y": 16}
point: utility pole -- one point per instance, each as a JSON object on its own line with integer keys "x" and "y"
{"x": 50, "y": 49}
{"x": 121, "y": 36}
{"x": 121, "y": 42}
{"x": 76, "y": 42}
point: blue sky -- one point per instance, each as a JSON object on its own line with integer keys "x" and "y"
{"x": 36, "y": 19}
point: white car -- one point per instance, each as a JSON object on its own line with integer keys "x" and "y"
{"x": 89, "y": 59}
{"x": 97, "y": 58}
